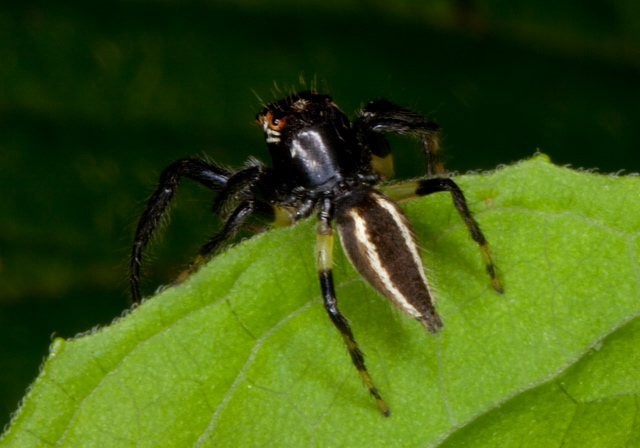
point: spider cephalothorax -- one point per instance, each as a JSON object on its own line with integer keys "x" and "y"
{"x": 322, "y": 162}
{"x": 310, "y": 141}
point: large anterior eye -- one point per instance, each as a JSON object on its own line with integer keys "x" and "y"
{"x": 273, "y": 122}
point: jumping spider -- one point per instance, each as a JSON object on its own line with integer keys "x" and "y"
{"x": 323, "y": 163}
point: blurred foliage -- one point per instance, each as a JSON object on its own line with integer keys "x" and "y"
{"x": 97, "y": 97}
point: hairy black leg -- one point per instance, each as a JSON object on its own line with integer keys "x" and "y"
{"x": 413, "y": 189}
{"x": 382, "y": 116}
{"x": 237, "y": 182}
{"x": 199, "y": 170}
{"x": 324, "y": 257}
{"x": 233, "y": 223}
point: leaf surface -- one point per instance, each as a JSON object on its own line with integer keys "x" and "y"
{"x": 243, "y": 354}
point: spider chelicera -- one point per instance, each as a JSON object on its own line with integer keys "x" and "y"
{"x": 323, "y": 163}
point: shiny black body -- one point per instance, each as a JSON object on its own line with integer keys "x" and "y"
{"x": 317, "y": 147}
{"x": 323, "y": 163}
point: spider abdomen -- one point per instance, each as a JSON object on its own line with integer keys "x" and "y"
{"x": 380, "y": 244}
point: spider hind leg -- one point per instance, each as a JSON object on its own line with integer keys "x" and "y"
{"x": 408, "y": 190}
{"x": 324, "y": 250}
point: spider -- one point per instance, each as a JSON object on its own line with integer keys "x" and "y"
{"x": 322, "y": 163}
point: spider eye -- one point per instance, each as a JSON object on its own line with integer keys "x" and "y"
{"x": 274, "y": 122}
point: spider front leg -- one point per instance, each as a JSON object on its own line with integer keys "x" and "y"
{"x": 201, "y": 171}
{"x": 382, "y": 116}
{"x": 324, "y": 259}
{"x": 414, "y": 189}
{"x": 231, "y": 226}
{"x": 270, "y": 214}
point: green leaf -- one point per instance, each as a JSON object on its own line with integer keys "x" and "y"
{"x": 243, "y": 354}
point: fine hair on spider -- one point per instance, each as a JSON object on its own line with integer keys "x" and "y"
{"x": 324, "y": 164}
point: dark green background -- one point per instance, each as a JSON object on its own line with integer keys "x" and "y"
{"x": 96, "y": 98}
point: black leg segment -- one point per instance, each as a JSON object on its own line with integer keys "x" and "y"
{"x": 200, "y": 170}
{"x": 439, "y": 184}
{"x": 230, "y": 228}
{"x": 382, "y": 116}
{"x": 243, "y": 179}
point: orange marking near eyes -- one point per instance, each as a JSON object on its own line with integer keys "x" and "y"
{"x": 275, "y": 123}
